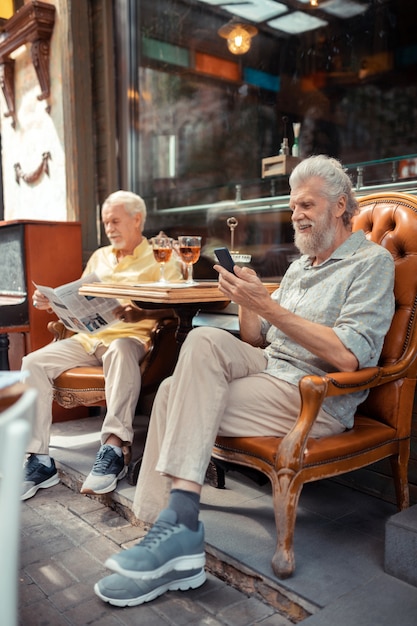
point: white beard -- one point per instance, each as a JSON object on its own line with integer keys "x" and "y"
{"x": 319, "y": 239}
{"x": 119, "y": 245}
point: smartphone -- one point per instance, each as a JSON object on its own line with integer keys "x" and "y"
{"x": 225, "y": 258}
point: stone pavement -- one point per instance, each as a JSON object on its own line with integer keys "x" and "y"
{"x": 65, "y": 539}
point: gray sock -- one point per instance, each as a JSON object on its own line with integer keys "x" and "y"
{"x": 186, "y": 504}
{"x": 117, "y": 449}
{"x": 45, "y": 459}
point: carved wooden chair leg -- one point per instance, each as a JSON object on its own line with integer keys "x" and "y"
{"x": 217, "y": 470}
{"x": 215, "y": 475}
{"x": 399, "y": 469}
{"x": 285, "y": 493}
{"x": 133, "y": 471}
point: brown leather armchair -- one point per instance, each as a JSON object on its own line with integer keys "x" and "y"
{"x": 84, "y": 386}
{"x": 382, "y": 423}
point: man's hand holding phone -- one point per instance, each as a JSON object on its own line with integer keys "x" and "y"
{"x": 243, "y": 285}
{"x": 225, "y": 259}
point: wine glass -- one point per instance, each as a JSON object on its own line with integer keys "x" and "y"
{"x": 162, "y": 251}
{"x": 189, "y": 251}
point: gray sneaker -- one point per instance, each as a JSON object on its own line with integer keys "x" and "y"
{"x": 108, "y": 468}
{"x": 167, "y": 546}
{"x": 37, "y": 476}
{"x": 122, "y": 591}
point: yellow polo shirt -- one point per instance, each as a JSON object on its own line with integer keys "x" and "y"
{"x": 136, "y": 268}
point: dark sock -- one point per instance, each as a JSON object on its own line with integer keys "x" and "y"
{"x": 186, "y": 504}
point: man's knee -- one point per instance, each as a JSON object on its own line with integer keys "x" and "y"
{"x": 124, "y": 348}
{"x": 120, "y": 344}
{"x": 205, "y": 335}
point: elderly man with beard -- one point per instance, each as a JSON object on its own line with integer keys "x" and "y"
{"x": 331, "y": 312}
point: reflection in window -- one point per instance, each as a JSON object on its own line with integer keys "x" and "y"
{"x": 344, "y": 70}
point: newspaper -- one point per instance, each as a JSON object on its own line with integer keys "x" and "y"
{"x": 80, "y": 313}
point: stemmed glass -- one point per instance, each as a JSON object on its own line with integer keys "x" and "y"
{"x": 189, "y": 251}
{"x": 162, "y": 251}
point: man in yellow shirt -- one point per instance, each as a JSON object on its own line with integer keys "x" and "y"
{"x": 119, "y": 348}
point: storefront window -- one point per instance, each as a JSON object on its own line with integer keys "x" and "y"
{"x": 343, "y": 71}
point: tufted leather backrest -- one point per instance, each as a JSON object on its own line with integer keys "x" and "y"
{"x": 390, "y": 219}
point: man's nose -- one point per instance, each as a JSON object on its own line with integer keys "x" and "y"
{"x": 297, "y": 214}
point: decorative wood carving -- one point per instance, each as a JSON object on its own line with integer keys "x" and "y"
{"x": 40, "y": 59}
{"x": 7, "y": 85}
{"x": 33, "y": 24}
{"x": 33, "y": 177}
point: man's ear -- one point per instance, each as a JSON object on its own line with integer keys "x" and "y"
{"x": 340, "y": 206}
{"x": 139, "y": 221}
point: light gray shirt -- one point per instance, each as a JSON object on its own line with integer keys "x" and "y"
{"x": 351, "y": 292}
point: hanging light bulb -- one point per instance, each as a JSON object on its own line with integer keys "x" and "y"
{"x": 314, "y": 3}
{"x": 238, "y": 36}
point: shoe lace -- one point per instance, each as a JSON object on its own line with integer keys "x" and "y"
{"x": 103, "y": 459}
{"x": 157, "y": 532}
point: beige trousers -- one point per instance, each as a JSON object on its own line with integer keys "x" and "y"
{"x": 218, "y": 387}
{"x": 123, "y": 379}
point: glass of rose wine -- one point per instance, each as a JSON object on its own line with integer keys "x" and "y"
{"x": 189, "y": 251}
{"x": 162, "y": 251}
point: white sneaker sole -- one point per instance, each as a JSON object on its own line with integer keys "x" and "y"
{"x": 54, "y": 480}
{"x": 108, "y": 488}
{"x": 184, "y": 584}
{"x": 180, "y": 563}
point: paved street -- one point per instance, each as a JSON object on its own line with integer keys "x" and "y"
{"x": 66, "y": 537}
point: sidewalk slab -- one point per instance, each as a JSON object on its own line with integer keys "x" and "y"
{"x": 401, "y": 546}
{"x": 382, "y": 601}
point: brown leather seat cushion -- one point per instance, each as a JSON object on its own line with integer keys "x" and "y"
{"x": 366, "y": 434}
{"x": 81, "y": 378}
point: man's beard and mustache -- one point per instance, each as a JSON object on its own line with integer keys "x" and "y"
{"x": 119, "y": 244}
{"x": 319, "y": 238}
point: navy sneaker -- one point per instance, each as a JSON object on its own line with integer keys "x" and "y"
{"x": 108, "y": 468}
{"x": 38, "y": 476}
{"x": 122, "y": 591}
{"x": 167, "y": 546}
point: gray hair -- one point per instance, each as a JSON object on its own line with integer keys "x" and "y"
{"x": 336, "y": 181}
{"x": 131, "y": 202}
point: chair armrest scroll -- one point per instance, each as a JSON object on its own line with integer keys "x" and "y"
{"x": 291, "y": 449}
{"x": 59, "y": 331}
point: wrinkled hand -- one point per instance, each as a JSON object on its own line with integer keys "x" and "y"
{"x": 40, "y": 301}
{"x": 243, "y": 287}
{"x": 129, "y": 313}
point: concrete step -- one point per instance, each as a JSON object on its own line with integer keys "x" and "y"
{"x": 383, "y": 601}
{"x": 401, "y": 546}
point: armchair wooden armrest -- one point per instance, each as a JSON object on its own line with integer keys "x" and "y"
{"x": 59, "y": 331}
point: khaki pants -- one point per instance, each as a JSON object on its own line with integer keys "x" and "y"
{"x": 123, "y": 379}
{"x": 218, "y": 387}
